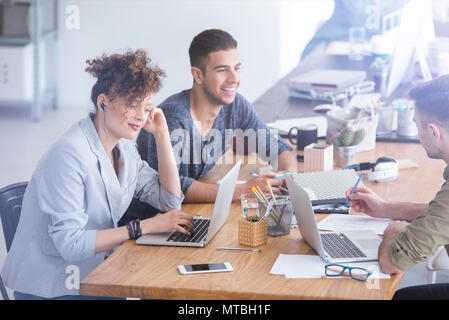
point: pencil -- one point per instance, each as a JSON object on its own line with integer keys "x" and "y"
{"x": 262, "y": 199}
{"x": 253, "y": 190}
{"x": 275, "y": 213}
{"x": 259, "y": 194}
{"x": 353, "y": 190}
{"x": 275, "y": 210}
{"x": 271, "y": 191}
{"x": 263, "y": 195}
{"x": 268, "y": 210}
{"x": 240, "y": 249}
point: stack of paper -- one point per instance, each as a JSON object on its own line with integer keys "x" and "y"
{"x": 351, "y": 222}
{"x": 308, "y": 266}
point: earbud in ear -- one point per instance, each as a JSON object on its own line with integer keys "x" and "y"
{"x": 103, "y": 106}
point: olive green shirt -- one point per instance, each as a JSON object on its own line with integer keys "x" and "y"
{"x": 425, "y": 234}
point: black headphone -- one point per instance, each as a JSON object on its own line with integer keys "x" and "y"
{"x": 103, "y": 106}
{"x": 383, "y": 170}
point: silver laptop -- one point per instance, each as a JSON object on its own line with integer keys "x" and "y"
{"x": 205, "y": 228}
{"x": 333, "y": 247}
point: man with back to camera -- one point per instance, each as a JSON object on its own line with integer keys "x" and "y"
{"x": 408, "y": 243}
{"x": 206, "y": 114}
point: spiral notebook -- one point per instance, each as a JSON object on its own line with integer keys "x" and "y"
{"x": 327, "y": 187}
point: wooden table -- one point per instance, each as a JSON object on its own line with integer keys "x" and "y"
{"x": 151, "y": 271}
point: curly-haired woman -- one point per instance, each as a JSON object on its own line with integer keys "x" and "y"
{"x": 85, "y": 182}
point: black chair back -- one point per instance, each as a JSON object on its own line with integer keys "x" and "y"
{"x": 10, "y": 206}
{"x": 11, "y": 198}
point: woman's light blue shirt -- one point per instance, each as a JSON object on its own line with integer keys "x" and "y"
{"x": 74, "y": 192}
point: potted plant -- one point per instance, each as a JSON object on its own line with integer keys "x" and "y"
{"x": 345, "y": 145}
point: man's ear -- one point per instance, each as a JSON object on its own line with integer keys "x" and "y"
{"x": 197, "y": 75}
{"x": 436, "y": 130}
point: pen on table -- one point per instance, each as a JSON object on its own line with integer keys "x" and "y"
{"x": 240, "y": 249}
{"x": 281, "y": 175}
{"x": 353, "y": 190}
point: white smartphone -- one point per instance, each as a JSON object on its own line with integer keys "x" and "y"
{"x": 205, "y": 268}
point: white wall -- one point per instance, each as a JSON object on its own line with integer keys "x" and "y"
{"x": 271, "y": 35}
{"x": 299, "y": 21}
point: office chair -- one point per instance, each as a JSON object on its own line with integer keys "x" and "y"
{"x": 10, "y": 206}
{"x": 438, "y": 263}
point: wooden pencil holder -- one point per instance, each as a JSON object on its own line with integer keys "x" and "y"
{"x": 253, "y": 234}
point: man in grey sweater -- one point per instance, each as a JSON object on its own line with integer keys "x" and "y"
{"x": 204, "y": 120}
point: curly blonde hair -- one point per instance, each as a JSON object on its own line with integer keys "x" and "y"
{"x": 129, "y": 76}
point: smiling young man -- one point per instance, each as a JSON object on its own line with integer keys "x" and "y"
{"x": 204, "y": 119}
{"x": 420, "y": 229}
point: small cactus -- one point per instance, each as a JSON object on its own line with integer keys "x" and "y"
{"x": 347, "y": 137}
{"x": 336, "y": 141}
{"x": 358, "y": 137}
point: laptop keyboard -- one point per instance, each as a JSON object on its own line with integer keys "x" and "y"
{"x": 199, "y": 232}
{"x": 339, "y": 246}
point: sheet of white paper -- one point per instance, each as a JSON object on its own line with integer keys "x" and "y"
{"x": 302, "y": 266}
{"x": 312, "y": 266}
{"x": 351, "y": 222}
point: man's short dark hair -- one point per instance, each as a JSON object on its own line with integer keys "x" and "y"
{"x": 208, "y": 41}
{"x": 432, "y": 100}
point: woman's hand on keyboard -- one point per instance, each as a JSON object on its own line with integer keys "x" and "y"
{"x": 172, "y": 220}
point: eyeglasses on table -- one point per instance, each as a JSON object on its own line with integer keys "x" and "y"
{"x": 337, "y": 270}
